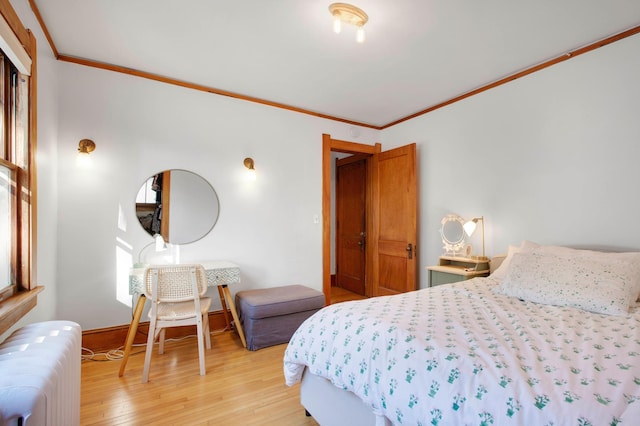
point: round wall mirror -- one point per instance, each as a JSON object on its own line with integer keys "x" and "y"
{"x": 177, "y": 204}
{"x": 452, "y": 232}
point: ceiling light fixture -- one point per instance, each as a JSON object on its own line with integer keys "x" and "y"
{"x": 349, "y": 14}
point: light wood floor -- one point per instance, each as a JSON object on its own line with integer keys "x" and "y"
{"x": 241, "y": 387}
{"x": 341, "y": 295}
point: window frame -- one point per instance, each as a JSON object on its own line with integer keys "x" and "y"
{"x": 19, "y": 298}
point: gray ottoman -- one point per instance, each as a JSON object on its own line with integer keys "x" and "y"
{"x": 270, "y": 316}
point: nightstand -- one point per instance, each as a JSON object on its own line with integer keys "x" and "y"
{"x": 453, "y": 269}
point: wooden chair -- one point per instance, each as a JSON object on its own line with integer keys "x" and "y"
{"x": 176, "y": 294}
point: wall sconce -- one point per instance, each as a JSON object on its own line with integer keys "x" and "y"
{"x": 85, "y": 146}
{"x": 349, "y": 14}
{"x": 469, "y": 229}
{"x": 251, "y": 171}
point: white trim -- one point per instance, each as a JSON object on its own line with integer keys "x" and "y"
{"x": 14, "y": 50}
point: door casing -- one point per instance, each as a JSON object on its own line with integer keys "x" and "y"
{"x": 335, "y": 145}
{"x": 371, "y": 275}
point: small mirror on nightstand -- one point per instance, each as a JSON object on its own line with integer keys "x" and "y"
{"x": 453, "y": 236}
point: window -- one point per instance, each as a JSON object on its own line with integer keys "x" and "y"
{"x": 7, "y": 226}
{"x": 14, "y": 188}
{"x": 17, "y": 169}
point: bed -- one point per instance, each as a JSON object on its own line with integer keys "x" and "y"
{"x": 550, "y": 337}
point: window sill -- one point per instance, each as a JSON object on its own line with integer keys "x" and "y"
{"x": 17, "y": 306}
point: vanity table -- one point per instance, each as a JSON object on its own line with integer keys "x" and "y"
{"x": 219, "y": 274}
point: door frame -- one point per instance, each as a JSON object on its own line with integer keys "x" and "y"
{"x": 334, "y": 145}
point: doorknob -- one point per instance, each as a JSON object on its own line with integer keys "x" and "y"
{"x": 409, "y": 251}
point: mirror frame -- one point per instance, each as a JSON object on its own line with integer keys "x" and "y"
{"x": 451, "y": 245}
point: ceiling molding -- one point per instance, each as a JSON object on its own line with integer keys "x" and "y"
{"x": 202, "y": 88}
{"x": 565, "y": 57}
{"x": 45, "y": 30}
{"x": 168, "y": 80}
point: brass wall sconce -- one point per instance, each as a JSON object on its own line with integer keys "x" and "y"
{"x": 85, "y": 146}
{"x": 248, "y": 163}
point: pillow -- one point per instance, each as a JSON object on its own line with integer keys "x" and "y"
{"x": 495, "y": 262}
{"x": 501, "y": 270}
{"x": 606, "y": 283}
{"x": 527, "y": 246}
{"x": 632, "y": 257}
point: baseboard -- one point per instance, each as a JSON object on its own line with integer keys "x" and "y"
{"x": 105, "y": 339}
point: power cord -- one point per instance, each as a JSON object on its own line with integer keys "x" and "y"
{"x": 118, "y": 354}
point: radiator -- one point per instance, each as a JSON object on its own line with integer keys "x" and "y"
{"x": 40, "y": 375}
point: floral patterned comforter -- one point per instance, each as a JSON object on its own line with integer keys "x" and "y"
{"x": 459, "y": 354}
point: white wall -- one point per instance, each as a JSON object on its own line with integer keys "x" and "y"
{"x": 142, "y": 127}
{"x": 552, "y": 157}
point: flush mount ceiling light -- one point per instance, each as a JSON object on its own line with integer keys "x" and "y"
{"x": 349, "y": 14}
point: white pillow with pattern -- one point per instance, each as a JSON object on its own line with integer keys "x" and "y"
{"x": 606, "y": 283}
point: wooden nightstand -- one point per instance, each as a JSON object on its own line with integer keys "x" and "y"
{"x": 453, "y": 269}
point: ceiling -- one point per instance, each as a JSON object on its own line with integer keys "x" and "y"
{"x": 418, "y": 53}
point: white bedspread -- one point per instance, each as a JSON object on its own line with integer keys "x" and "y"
{"x": 460, "y": 354}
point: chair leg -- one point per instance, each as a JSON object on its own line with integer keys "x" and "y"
{"x": 207, "y": 332}
{"x": 161, "y": 345}
{"x": 149, "y": 350}
{"x": 200, "y": 333}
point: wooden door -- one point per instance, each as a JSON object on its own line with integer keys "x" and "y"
{"x": 351, "y": 186}
{"x": 394, "y": 221}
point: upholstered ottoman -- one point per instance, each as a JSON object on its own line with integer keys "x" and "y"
{"x": 270, "y": 316}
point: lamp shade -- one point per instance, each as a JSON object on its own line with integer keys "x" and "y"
{"x": 470, "y": 227}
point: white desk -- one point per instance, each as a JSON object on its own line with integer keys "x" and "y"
{"x": 219, "y": 274}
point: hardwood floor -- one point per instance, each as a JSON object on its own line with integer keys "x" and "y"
{"x": 339, "y": 294}
{"x": 241, "y": 387}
